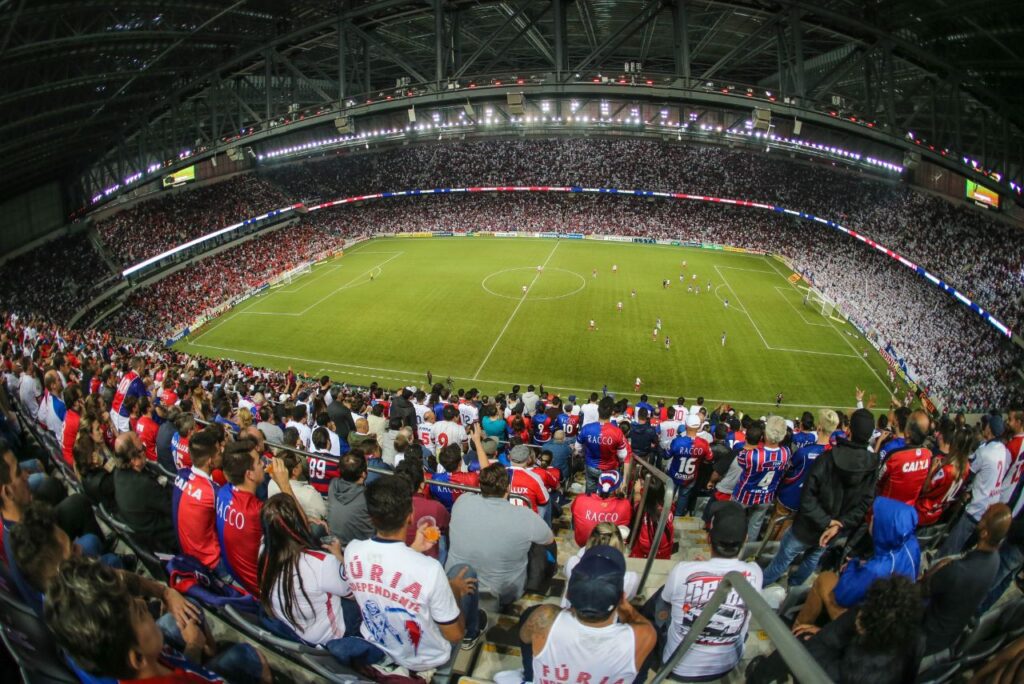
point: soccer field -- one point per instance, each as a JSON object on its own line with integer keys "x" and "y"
{"x": 391, "y": 309}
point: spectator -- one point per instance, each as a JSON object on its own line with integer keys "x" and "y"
{"x": 503, "y": 562}
{"x": 309, "y": 499}
{"x": 525, "y": 482}
{"x": 877, "y": 642}
{"x": 806, "y": 454}
{"x": 896, "y": 552}
{"x": 836, "y": 497}
{"x": 604, "y": 534}
{"x": 447, "y": 605}
{"x": 650, "y": 516}
{"x": 601, "y": 637}
{"x": 606, "y": 505}
{"x": 143, "y": 503}
{"x": 949, "y": 470}
{"x": 955, "y": 588}
{"x": 271, "y": 432}
{"x": 194, "y": 506}
{"x": 689, "y": 587}
{"x": 299, "y": 583}
{"x": 604, "y": 446}
{"x": 988, "y": 463}
{"x": 425, "y": 511}
{"x": 905, "y": 468}
{"x": 688, "y": 452}
{"x": 761, "y": 470}
{"x": 347, "y": 516}
{"x": 643, "y": 437}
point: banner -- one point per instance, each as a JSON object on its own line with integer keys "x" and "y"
{"x": 645, "y": 241}
{"x": 706, "y": 245}
{"x": 505, "y": 233}
{"x": 672, "y": 243}
{"x": 795, "y": 278}
{"x": 615, "y": 238}
{"x": 573, "y": 236}
{"x": 440, "y": 233}
{"x": 183, "y": 333}
{"x": 549, "y": 235}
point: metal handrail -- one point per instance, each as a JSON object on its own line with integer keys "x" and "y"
{"x": 804, "y": 668}
{"x": 666, "y": 510}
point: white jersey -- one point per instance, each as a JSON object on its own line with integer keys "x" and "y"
{"x": 305, "y": 434}
{"x": 667, "y": 431}
{"x": 679, "y": 413}
{"x": 423, "y": 436}
{"x": 989, "y": 463}
{"x": 403, "y": 596}
{"x": 421, "y": 410}
{"x": 569, "y": 653}
{"x": 589, "y": 412}
{"x": 469, "y": 414}
{"x": 688, "y": 588}
{"x": 445, "y": 432}
{"x": 317, "y": 607}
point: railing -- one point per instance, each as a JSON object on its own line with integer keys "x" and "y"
{"x": 666, "y": 511}
{"x": 804, "y": 668}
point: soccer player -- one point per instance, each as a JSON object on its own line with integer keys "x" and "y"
{"x": 593, "y": 326}
{"x": 726, "y": 302}
{"x": 689, "y": 289}
{"x": 540, "y": 269}
{"x": 668, "y": 342}
{"x": 615, "y": 268}
{"x": 696, "y": 290}
{"x": 723, "y": 338}
{"x": 636, "y": 385}
{"x": 633, "y": 293}
{"x": 594, "y": 273}
{"x": 619, "y": 306}
{"x": 684, "y": 263}
{"x": 694, "y": 278}
{"x": 524, "y": 290}
{"x": 778, "y": 400}
{"x": 654, "y": 335}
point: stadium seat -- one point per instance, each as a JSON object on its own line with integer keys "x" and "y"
{"x": 153, "y": 564}
{"x": 985, "y": 639}
{"x": 31, "y": 645}
{"x": 930, "y": 537}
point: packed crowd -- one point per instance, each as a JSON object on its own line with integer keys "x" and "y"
{"x": 54, "y": 280}
{"x": 157, "y": 225}
{"x": 970, "y": 250}
{"x": 963, "y": 362}
{"x": 350, "y": 534}
{"x": 156, "y": 311}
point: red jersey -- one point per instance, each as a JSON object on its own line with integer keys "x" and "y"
{"x": 168, "y": 398}
{"x": 240, "y": 534}
{"x": 645, "y": 536}
{"x": 71, "y": 422}
{"x": 527, "y": 483}
{"x": 590, "y": 509}
{"x": 447, "y": 495}
{"x": 179, "y": 447}
{"x": 604, "y": 446}
{"x": 146, "y": 428}
{"x": 904, "y": 474}
{"x": 195, "y": 515}
{"x": 938, "y": 493}
{"x": 321, "y": 472}
{"x": 552, "y": 476}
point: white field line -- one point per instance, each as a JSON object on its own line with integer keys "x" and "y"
{"x": 768, "y": 346}
{"x": 748, "y": 270}
{"x": 323, "y": 273}
{"x": 340, "y": 366}
{"x": 838, "y": 332}
{"x": 781, "y": 290}
{"x": 515, "y": 311}
{"x": 328, "y": 295}
{"x": 226, "y": 319}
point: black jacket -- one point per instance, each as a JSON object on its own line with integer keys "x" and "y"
{"x": 145, "y": 506}
{"x": 342, "y": 417}
{"x": 840, "y": 486}
{"x": 643, "y": 438}
{"x": 403, "y": 414}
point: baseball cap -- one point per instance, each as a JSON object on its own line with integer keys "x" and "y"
{"x": 520, "y": 453}
{"x": 693, "y": 421}
{"x": 490, "y": 445}
{"x": 595, "y": 586}
{"x": 728, "y": 523}
{"x": 608, "y": 482}
{"x": 996, "y": 424}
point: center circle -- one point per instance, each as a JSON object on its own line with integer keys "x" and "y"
{"x": 551, "y": 283}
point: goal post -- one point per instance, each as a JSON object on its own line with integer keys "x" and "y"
{"x": 299, "y": 270}
{"x": 817, "y": 300}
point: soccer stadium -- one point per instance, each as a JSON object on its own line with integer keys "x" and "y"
{"x": 552, "y": 341}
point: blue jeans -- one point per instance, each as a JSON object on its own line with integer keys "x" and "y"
{"x": 757, "y": 513}
{"x": 92, "y": 547}
{"x": 1011, "y": 558}
{"x": 592, "y": 475}
{"x": 789, "y": 549}
{"x": 470, "y": 603}
{"x": 958, "y": 536}
{"x": 681, "y": 498}
{"x": 237, "y": 663}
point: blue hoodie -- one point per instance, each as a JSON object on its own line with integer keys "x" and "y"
{"x": 896, "y": 552}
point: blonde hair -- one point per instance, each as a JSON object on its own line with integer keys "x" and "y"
{"x": 828, "y": 420}
{"x": 606, "y": 534}
{"x": 244, "y": 419}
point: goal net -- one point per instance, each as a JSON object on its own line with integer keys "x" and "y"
{"x": 302, "y": 269}
{"x": 815, "y": 299}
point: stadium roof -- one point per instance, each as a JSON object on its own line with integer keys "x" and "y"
{"x": 106, "y": 86}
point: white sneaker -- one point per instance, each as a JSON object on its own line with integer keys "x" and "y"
{"x": 508, "y": 677}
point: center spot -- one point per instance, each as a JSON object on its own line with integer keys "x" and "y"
{"x": 552, "y": 283}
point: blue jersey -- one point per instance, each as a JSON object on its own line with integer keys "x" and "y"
{"x": 832, "y": 439}
{"x": 686, "y": 453}
{"x": 604, "y": 446}
{"x": 802, "y": 439}
{"x": 793, "y": 483}
{"x": 762, "y": 472}
{"x": 644, "y": 404}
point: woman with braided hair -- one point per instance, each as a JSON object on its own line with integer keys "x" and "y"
{"x": 301, "y": 584}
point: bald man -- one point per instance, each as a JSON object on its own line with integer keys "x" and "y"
{"x": 905, "y": 469}
{"x": 954, "y": 588}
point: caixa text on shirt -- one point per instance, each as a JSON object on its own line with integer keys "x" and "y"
{"x": 563, "y": 674}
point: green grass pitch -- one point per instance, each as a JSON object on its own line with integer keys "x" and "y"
{"x": 392, "y": 308}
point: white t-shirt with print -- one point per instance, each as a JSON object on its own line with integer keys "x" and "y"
{"x": 318, "y": 614}
{"x": 403, "y": 596}
{"x": 689, "y": 587}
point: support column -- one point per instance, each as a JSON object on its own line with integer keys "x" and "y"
{"x": 681, "y": 41}
{"x": 366, "y": 65}
{"x": 799, "y": 77}
{"x": 342, "y": 55}
{"x": 439, "y": 41}
{"x": 268, "y": 76}
{"x": 561, "y": 62}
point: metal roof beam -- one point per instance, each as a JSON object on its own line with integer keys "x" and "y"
{"x": 515, "y": 39}
{"x": 488, "y": 42}
{"x": 301, "y": 76}
{"x": 740, "y": 47}
{"x": 533, "y": 34}
{"x": 389, "y": 52}
{"x": 623, "y": 34}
